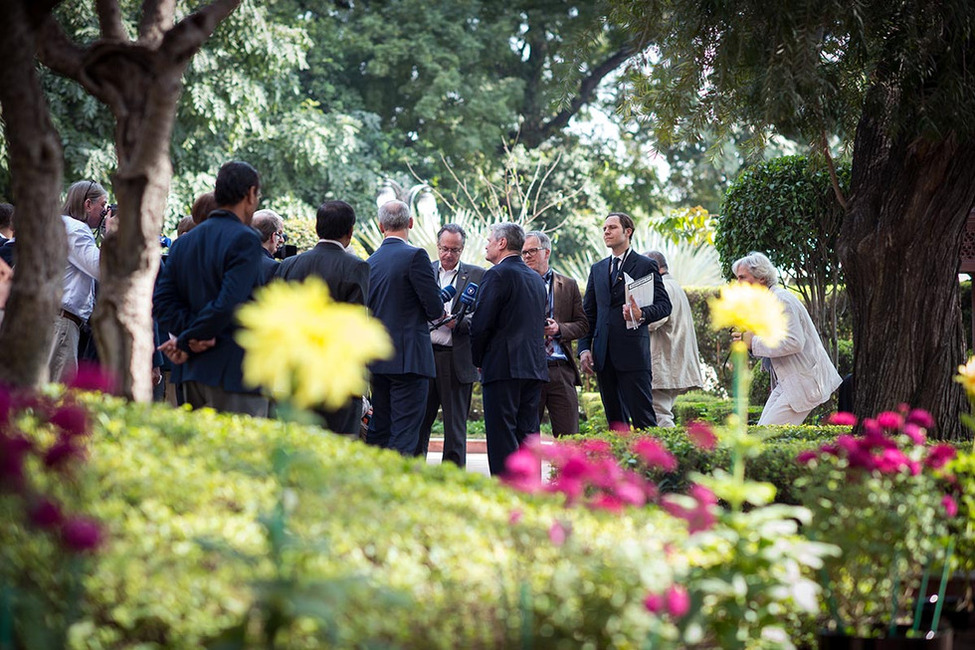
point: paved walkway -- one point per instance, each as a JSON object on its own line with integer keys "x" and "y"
{"x": 477, "y": 460}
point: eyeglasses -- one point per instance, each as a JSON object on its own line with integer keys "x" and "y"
{"x": 280, "y": 235}
{"x": 531, "y": 252}
{"x": 447, "y": 249}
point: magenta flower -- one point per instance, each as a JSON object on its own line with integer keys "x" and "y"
{"x": 514, "y": 517}
{"x": 596, "y": 447}
{"x": 45, "y": 514}
{"x": 699, "y": 518}
{"x": 701, "y": 435}
{"x": 806, "y": 457}
{"x": 91, "y": 376}
{"x": 619, "y": 427}
{"x": 81, "y": 534}
{"x": 678, "y": 601}
{"x": 921, "y": 418}
{"x": 951, "y": 507}
{"x": 654, "y": 454}
{"x": 13, "y": 449}
{"x": 939, "y": 455}
{"x": 890, "y": 420}
{"x": 842, "y": 419}
{"x": 890, "y": 461}
{"x": 915, "y": 432}
{"x": 61, "y": 452}
{"x": 654, "y": 603}
{"x": 71, "y": 419}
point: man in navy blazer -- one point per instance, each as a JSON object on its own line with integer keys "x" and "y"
{"x": 404, "y": 295}
{"x": 619, "y": 355}
{"x": 507, "y": 342}
{"x": 347, "y": 278}
{"x": 212, "y": 270}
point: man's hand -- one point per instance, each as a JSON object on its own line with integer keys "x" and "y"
{"x": 551, "y": 327}
{"x": 742, "y": 336}
{"x": 197, "y": 346}
{"x": 172, "y": 352}
{"x": 156, "y": 376}
{"x": 450, "y": 324}
{"x": 632, "y": 311}
{"x": 585, "y": 360}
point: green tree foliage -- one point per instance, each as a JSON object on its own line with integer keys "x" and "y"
{"x": 786, "y": 209}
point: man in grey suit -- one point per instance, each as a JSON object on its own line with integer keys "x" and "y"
{"x": 347, "y": 278}
{"x": 452, "y": 387}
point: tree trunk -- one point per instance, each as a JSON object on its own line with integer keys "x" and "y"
{"x": 900, "y": 249}
{"x": 36, "y": 163}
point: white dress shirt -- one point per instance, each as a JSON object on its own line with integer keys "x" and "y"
{"x": 81, "y": 272}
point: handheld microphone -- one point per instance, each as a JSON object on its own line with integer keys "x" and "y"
{"x": 447, "y": 293}
{"x": 467, "y": 299}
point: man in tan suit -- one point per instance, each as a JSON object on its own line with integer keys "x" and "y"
{"x": 673, "y": 345}
{"x": 565, "y": 322}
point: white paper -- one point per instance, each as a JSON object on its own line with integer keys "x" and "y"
{"x": 642, "y": 290}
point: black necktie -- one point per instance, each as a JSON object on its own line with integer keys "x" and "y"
{"x": 616, "y": 270}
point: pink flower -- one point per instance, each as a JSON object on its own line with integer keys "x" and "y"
{"x": 701, "y": 435}
{"x": 607, "y": 502}
{"x": 596, "y": 447}
{"x": 558, "y": 532}
{"x": 915, "y": 432}
{"x": 872, "y": 428}
{"x": 654, "y": 603}
{"x": 91, "y": 376}
{"x": 81, "y": 534}
{"x": 45, "y": 514}
{"x": 951, "y": 507}
{"x": 806, "y": 457}
{"x": 699, "y": 518}
{"x": 890, "y": 420}
{"x": 842, "y": 419}
{"x": 939, "y": 455}
{"x": 678, "y": 601}
{"x": 890, "y": 461}
{"x": 619, "y": 427}
{"x": 921, "y": 418}
{"x": 13, "y": 449}
{"x": 72, "y": 419}
{"x": 514, "y": 517}
{"x": 654, "y": 454}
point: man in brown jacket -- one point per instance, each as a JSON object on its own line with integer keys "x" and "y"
{"x": 565, "y": 323}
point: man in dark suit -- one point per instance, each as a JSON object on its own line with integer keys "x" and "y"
{"x": 452, "y": 387}
{"x": 403, "y": 294}
{"x": 620, "y": 355}
{"x": 212, "y": 270}
{"x": 507, "y": 343}
{"x": 566, "y": 321}
{"x": 347, "y": 278}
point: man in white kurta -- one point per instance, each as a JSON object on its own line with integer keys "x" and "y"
{"x": 673, "y": 346}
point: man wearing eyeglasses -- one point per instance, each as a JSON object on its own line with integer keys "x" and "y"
{"x": 270, "y": 226}
{"x": 84, "y": 209}
{"x": 565, "y": 322}
{"x": 451, "y": 389}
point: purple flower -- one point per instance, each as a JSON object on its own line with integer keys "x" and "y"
{"x": 71, "y": 419}
{"x": 91, "y": 376}
{"x": 13, "y": 449}
{"x": 45, "y": 514}
{"x": 61, "y": 452}
{"x": 81, "y": 534}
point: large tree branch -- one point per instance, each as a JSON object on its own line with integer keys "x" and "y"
{"x": 110, "y": 20}
{"x": 587, "y": 88}
{"x": 834, "y": 179}
{"x": 39, "y": 10}
{"x": 183, "y": 40}
{"x": 58, "y": 52}
{"x": 157, "y": 19}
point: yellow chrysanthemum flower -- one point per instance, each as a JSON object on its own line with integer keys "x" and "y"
{"x": 966, "y": 376}
{"x": 751, "y": 308}
{"x": 302, "y": 346}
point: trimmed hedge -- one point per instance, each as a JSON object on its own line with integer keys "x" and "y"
{"x": 388, "y": 551}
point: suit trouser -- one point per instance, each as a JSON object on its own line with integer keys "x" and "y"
{"x": 445, "y": 391}
{"x": 627, "y": 397}
{"x": 778, "y": 411}
{"x": 510, "y": 415}
{"x": 398, "y": 404}
{"x": 62, "y": 361}
{"x": 346, "y": 419}
{"x": 199, "y": 395}
{"x": 559, "y": 396}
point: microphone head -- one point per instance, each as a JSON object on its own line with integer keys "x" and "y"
{"x": 447, "y": 293}
{"x": 469, "y": 295}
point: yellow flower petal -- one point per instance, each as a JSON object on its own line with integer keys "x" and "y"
{"x": 966, "y": 376}
{"x": 750, "y": 308}
{"x": 298, "y": 344}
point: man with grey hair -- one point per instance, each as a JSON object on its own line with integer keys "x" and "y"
{"x": 566, "y": 321}
{"x": 507, "y": 342}
{"x": 451, "y": 389}
{"x": 270, "y": 226}
{"x": 673, "y": 347}
{"x": 403, "y": 294}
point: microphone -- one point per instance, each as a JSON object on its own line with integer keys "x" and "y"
{"x": 467, "y": 299}
{"x": 447, "y": 293}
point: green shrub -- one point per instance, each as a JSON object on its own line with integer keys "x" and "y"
{"x": 454, "y": 558}
{"x": 697, "y": 405}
